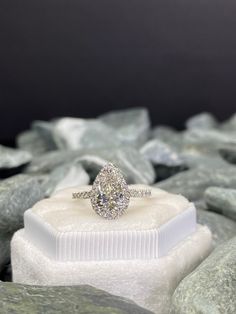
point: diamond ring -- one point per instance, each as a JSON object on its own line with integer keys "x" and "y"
{"x": 110, "y": 194}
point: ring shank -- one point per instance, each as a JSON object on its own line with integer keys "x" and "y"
{"x": 133, "y": 193}
{"x": 140, "y": 192}
{"x": 82, "y": 194}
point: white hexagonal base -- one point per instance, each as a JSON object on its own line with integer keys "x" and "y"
{"x": 143, "y": 255}
{"x": 68, "y": 230}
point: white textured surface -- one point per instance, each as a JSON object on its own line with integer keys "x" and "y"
{"x": 48, "y": 225}
{"x": 150, "y": 283}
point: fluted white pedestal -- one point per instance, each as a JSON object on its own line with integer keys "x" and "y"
{"x": 142, "y": 255}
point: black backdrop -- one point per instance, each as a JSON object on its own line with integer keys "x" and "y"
{"x": 84, "y": 57}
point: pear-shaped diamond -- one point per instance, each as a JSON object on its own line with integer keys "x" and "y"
{"x": 110, "y": 194}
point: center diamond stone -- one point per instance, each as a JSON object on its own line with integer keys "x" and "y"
{"x": 110, "y": 194}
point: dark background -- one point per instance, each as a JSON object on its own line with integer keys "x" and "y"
{"x": 85, "y": 57}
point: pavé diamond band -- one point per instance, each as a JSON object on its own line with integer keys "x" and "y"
{"x": 132, "y": 192}
{"x": 110, "y": 193}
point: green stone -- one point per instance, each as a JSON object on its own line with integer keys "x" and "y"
{"x": 230, "y": 124}
{"x": 221, "y": 200}
{"x": 133, "y": 164}
{"x": 131, "y": 125}
{"x": 49, "y": 161}
{"x": 203, "y": 121}
{"x": 228, "y": 153}
{"x": 17, "y": 194}
{"x": 75, "y": 133}
{"x": 211, "y": 288}
{"x": 12, "y": 158}
{"x": 222, "y": 228}
{"x": 208, "y": 141}
{"x": 193, "y": 183}
{"x": 169, "y": 136}
{"x": 65, "y": 176}
{"x": 32, "y": 142}
{"x": 26, "y": 299}
{"x": 160, "y": 153}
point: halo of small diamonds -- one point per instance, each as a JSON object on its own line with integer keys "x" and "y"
{"x": 110, "y": 194}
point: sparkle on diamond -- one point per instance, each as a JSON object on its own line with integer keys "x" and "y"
{"x": 110, "y": 195}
